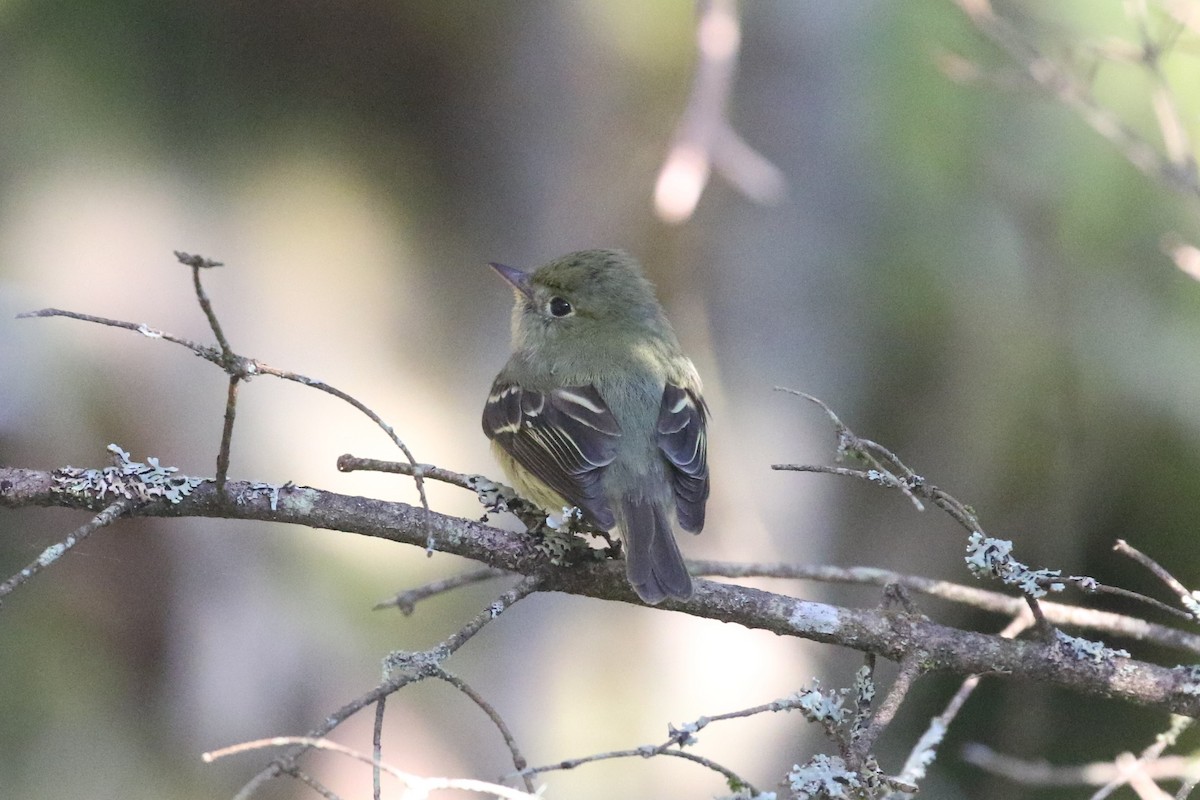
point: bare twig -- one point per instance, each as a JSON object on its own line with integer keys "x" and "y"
{"x": 885, "y": 712}
{"x": 730, "y": 776}
{"x": 1117, "y": 591}
{"x": 235, "y": 366}
{"x": 227, "y": 433}
{"x": 407, "y": 600}
{"x": 889, "y": 470}
{"x": 956, "y": 510}
{"x": 377, "y": 749}
{"x": 56, "y": 551}
{"x": 527, "y": 586}
{"x": 350, "y": 463}
{"x": 984, "y": 599}
{"x": 1126, "y": 549}
{"x": 647, "y": 751}
{"x": 1041, "y": 625}
{"x": 242, "y": 367}
{"x": 519, "y": 761}
{"x": 202, "y": 350}
{"x": 197, "y": 263}
{"x": 926, "y": 749}
{"x": 1153, "y": 752}
{"x": 419, "y": 785}
{"x": 314, "y": 784}
{"x": 362, "y": 407}
{"x": 883, "y": 462}
{"x": 1187, "y": 599}
{"x": 1039, "y": 773}
{"x": 683, "y": 736}
{"x": 405, "y": 668}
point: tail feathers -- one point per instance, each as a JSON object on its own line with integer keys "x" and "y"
{"x": 653, "y": 561}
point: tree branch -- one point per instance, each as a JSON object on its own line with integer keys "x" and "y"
{"x": 893, "y": 635}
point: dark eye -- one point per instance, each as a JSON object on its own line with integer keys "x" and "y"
{"x": 559, "y": 307}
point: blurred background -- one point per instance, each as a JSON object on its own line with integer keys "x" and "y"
{"x": 964, "y": 271}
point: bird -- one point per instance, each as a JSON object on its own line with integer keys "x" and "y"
{"x": 598, "y": 408}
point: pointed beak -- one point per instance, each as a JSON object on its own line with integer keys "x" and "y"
{"x": 516, "y": 278}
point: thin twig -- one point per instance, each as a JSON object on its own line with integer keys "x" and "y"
{"x": 910, "y": 670}
{"x": 889, "y": 470}
{"x": 425, "y": 665}
{"x": 926, "y": 748}
{"x": 850, "y": 443}
{"x": 377, "y": 749}
{"x": 494, "y": 496}
{"x": 248, "y": 367}
{"x": 235, "y": 366}
{"x": 227, "y": 434}
{"x": 314, "y": 784}
{"x": 385, "y": 427}
{"x": 1153, "y": 752}
{"x": 1042, "y": 626}
{"x": 680, "y": 737}
{"x": 845, "y": 472}
{"x": 1186, "y": 598}
{"x": 204, "y": 351}
{"x": 1039, "y": 773}
{"x": 56, "y": 551}
{"x": 683, "y": 736}
{"x": 984, "y": 599}
{"x": 350, "y": 463}
{"x": 407, "y": 600}
{"x": 198, "y": 263}
{"x": 420, "y": 785}
{"x": 519, "y": 761}
{"x": 1128, "y": 594}
{"x": 731, "y": 777}
{"x": 959, "y": 512}
{"x": 527, "y": 586}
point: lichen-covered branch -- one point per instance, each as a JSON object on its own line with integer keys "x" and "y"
{"x": 891, "y": 634}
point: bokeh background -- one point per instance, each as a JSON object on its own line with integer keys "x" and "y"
{"x": 965, "y": 272}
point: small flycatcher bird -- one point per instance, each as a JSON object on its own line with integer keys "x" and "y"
{"x": 598, "y": 408}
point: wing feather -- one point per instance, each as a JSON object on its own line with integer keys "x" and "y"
{"x": 683, "y": 440}
{"x": 565, "y": 438}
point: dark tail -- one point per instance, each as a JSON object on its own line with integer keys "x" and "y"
{"x": 653, "y": 561}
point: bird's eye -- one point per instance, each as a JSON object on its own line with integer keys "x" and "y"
{"x": 559, "y": 307}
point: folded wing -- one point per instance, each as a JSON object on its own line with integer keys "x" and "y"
{"x": 682, "y": 438}
{"x": 564, "y": 437}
